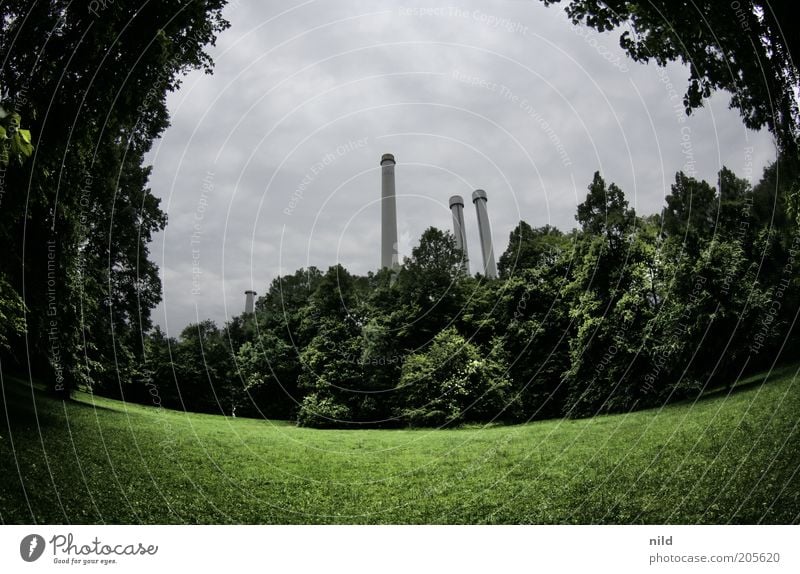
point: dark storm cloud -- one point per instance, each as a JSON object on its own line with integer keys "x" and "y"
{"x": 272, "y": 163}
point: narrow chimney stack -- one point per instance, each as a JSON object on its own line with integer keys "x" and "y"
{"x": 389, "y": 253}
{"x": 460, "y": 233}
{"x": 249, "y": 302}
{"x": 485, "y": 231}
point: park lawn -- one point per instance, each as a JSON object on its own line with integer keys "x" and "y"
{"x": 725, "y": 458}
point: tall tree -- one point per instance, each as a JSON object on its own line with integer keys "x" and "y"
{"x": 530, "y": 247}
{"x": 429, "y": 288}
{"x": 610, "y": 302}
{"x": 77, "y": 218}
{"x": 745, "y": 48}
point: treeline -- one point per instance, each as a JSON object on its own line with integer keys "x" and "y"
{"x": 624, "y": 312}
{"x": 82, "y": 97}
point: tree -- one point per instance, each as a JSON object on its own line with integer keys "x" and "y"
{"x": 333, "y": 379}
{"x": 530, "y": 247}
{"x": 609, "y": 303}
{"x": 739, "y": 47}
{"x": 12, "y": 322}
{"x": 605, "y": 212}
{"x": 429, "y": 289}
{"x": 452, "y": 382}
{"x": 535, "y": 338}
{"x": 690, "y": 214}
{"x": 268, "y": 369}
{"x": 93, "y": 90}
{"x": 202, "y": 365}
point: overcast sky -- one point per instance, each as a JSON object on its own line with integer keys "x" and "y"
{"x": 272, "y": 162}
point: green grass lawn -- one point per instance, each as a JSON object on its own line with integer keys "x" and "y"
{"x": 726, "y": 458}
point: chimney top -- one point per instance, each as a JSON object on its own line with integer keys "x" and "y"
{"x": 387, "y": 157}
{"x": 478, "y": 194}
{"x": 456, "y": 200}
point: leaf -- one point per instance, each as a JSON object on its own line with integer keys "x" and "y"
{"x": 21, "y": 144}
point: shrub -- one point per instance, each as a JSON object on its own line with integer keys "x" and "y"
{"x": 452, "y": 382}
{"x": 322, "y": 412}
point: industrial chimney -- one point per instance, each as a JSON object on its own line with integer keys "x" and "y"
{"x": 249, "y": 302}
{"x": 389, "y": 255}
{"x": 479, "y": 199}
{"x": 460, "y": 233}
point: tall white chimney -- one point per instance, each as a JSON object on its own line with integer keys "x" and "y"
{"x": 249, "y": 302}
{"x": 460, "y": 233}
{"x": 489, "y": 266}
{"x": 389, "y": 254}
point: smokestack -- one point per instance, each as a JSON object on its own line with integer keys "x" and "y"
{"x": 249, "y": 302}
{"x": 389, "y": 255}
{"x": 460, "y": 233}
{"x": 479, "y": 199}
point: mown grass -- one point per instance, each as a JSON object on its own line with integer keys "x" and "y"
{"x": 725, "y": 458}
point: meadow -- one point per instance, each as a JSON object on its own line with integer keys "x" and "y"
{"x": 728, "y": 457}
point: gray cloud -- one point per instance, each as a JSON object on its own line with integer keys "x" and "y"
{"x": 510, "y": 97}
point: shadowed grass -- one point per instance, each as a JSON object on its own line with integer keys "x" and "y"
{"x": 726, "y": 458}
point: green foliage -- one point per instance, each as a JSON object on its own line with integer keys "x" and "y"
{"x": 15, "y": 142}
{"x": 429, "y": 289}
{"x": 690, "y": 213}
{"x": 96, "y": 94}
{"x": 535, "y": 339}
{"x": 12, "y": 315}
{"x": 452, "y": 382}
{"x": 323, "y": 412}
{"x": 267, "y": 369}
{"x": 742, "y": 47}
{"x": 529, "y": 248}
{"x": 605, "y": 211}
{"x": 613, "y": 298}
{"x": 624, "y": 313}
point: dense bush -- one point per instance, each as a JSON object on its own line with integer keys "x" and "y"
{"x": 323, "y": 412}
{"x": 452, "y": 382}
